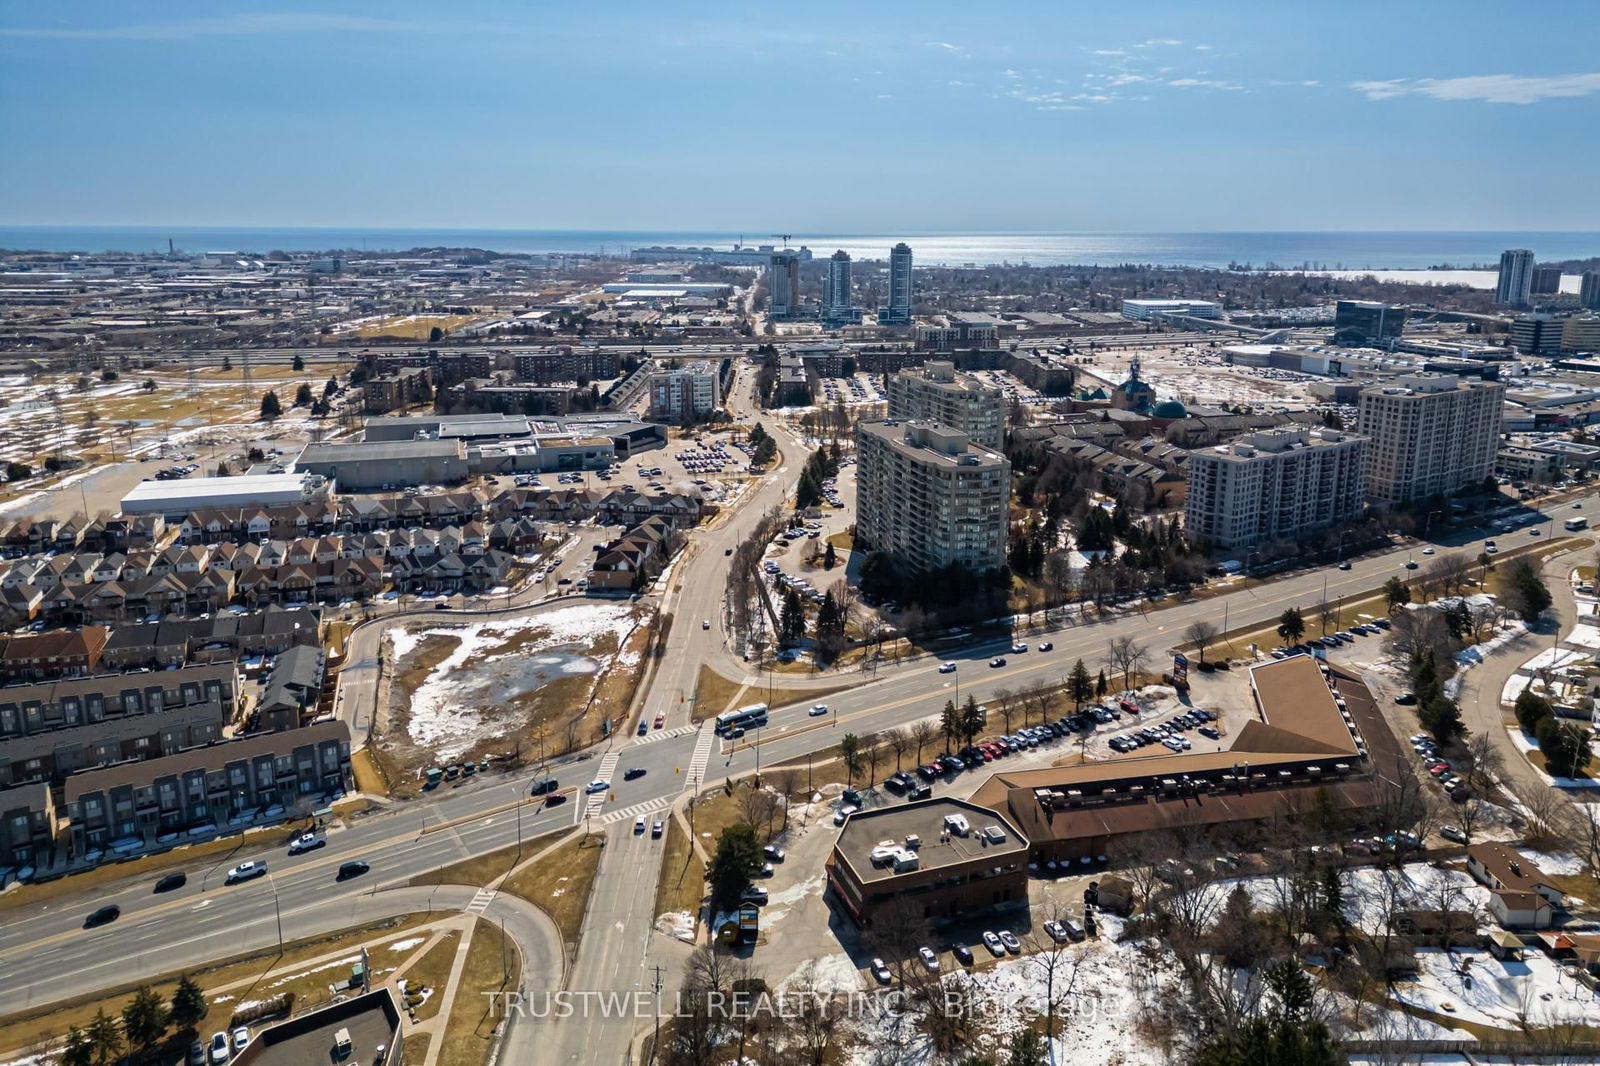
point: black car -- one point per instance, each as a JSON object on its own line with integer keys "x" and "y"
{"x": 921, "y": 792}
{"x": 633, "y": 773}
{"x": 555, "y": 799}
{"x": 543, "y": 786}
{"x": 171, "y": 881}
{"x": 962, "y": 953}
{"x": 109, "y": 913}
{"x": 354, "y": 868}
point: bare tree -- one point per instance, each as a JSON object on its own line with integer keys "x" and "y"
{"x": 1126, "y": 656}
{"x": 873, "y": 755}
{"x": 758, "y": 808}
{"x": 786, "y": 781}
{"x": 922, "y": 733}
{"x": 1328, "y": 615}
{"x": 1451, "y": 572}
{"x": 1004, "y": 702}
{"x": 1200, "y": 634}
{"x": 1541, "y": 812}
{"x": 899, "y": 741}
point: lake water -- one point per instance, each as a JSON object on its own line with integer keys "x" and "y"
{"x": 1325, "y": 250}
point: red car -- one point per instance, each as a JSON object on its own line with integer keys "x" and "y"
{"x": 661, "y": 720}
{"x": 1128, "y": 707}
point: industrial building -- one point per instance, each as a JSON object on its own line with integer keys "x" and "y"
{"x": 1431, "y": 433}
{"x": 180, "y": 497}
{"x": 364, "y": 466}
{"x": 934, "y": 393}
{"x": 928, "y": 497}
{"x": 1274, "y": 485}
{"x": 1144, "y": 310}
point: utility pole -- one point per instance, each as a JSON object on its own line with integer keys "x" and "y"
{"x": 655, "y": 1035}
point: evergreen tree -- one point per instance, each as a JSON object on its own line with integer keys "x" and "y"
{"x": 1531, "y": 709}
{"x": 1080, "y": 686}
{"x": 1396, "y": 594}
{"x": 1564, "y": 745}
{"x": 330, "y": 388}
{"x": 1100, "y": 686}
{"x": 188, "y": 1003}
{"x": 78, "y": 1050}
{"x": 972, "y": 720}
{"x": 302, "y": 395}
{"x": 145, "y": 1020}
{"x": 270, "y": 407}
{"x": 1028, "y": 1049}
{"x": 949, "y": 724}
{"x": 1291, "y": 625}
{"x": 829, "y": 559}
{"x": 737, "y": 858}
{"x": 299, "y": 362}
{"x": 105, "y": 1037}
{"x": 1442, "y": 718}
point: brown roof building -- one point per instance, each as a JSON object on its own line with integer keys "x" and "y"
{"x": 941, "y": 857}
{"x": 1304, "y": 745}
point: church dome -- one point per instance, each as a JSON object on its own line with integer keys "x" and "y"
{"x": 1170, "y": 409}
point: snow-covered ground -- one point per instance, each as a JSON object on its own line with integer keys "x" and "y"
{"x": 467, "y": 697}
{"x": 1476, "y": 987}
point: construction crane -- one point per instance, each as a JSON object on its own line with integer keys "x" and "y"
{"x": 784, "y": 237}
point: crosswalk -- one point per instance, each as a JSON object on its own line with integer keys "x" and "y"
{"x": 663, "y": 734}
{"x": 702, "y": 754}
{"x": 481, "y": 900}
{"x": 624, "y": 814}
{"x": 608, "y": 766}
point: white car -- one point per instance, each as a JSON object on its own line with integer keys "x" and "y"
{"x": 880, "y": 971}
{"x": 305, "y": 842}
{"x": 817, "y": 711}
{"x": 247, "y": 870}
{"x": 597, "y": 786}
{"x": 992, "y": 942}
{"x": 1427, "y": 551}
{"x": 844, "y": 812}
{"x": 929, "y": 959}
{"x": 219, "y": 1048}
{"x": 241, "y": 1038}
{"x": 638, "y": 824}
{"x": 947, "y": 668}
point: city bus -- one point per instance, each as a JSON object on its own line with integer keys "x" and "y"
{"x": 734, "y": 723}
{"x": 1576, "y": 523}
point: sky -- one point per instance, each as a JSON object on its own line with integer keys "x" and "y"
{"x": 894, "y": 115}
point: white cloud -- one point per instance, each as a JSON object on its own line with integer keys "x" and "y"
{"x": 1110, "y": 52}
{"x": 1204, "y": 83}
{"x": 1488, "y": 88}
{"x": 242, "y": 24}
{"x": 1159, "y": 42}
{"x": 1202, "y": 48}
{"x": 946, "y": 45}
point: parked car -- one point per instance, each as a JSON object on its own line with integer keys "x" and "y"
{"x": 754, "y": 894}
{"x": 1057, "y": 931}
{"x": 991, "y": 941}
{"x": 241, "y": 1038}
{"x": 962, "y": 953}
{"x": 657, "y": 828}
{"x": 930, "y": 959}
{"x": 219, "y": 1048}
{"x": 1012, "y": 944}
{"x": 880, "y": 971}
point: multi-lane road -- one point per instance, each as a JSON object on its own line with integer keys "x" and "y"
{"x": 46, "y": 955}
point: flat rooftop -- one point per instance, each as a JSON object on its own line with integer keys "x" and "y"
{"x": 242, "y": 485}
{"x": 1294, "y": 697}
{"x": 866, "y": 830}
{"x": 377, "y": 451}
{"x": 308, "y": 1040}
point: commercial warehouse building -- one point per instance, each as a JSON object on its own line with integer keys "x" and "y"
{"x": 1144, "y": 310}
{"x": 183, "y": 496}
{"x": 366, "y": 466}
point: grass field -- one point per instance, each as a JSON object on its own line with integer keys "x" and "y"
{"x": 493, "y": 964}
{"x": 682, "y": 883}
{"x": 417, "y": 327}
